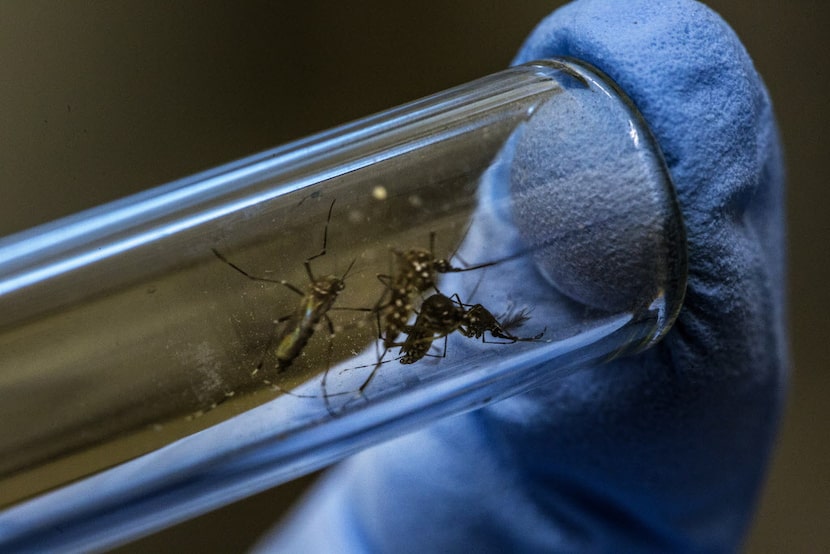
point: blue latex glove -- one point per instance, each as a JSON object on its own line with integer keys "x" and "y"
{"x": 662, "y": 451}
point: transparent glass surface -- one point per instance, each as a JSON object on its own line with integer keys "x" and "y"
{"x": 178, "y": 328}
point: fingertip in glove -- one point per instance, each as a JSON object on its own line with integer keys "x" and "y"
{"x": 661, "y": 451}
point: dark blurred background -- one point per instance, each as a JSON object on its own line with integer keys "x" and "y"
{"x": 102, "y": 99}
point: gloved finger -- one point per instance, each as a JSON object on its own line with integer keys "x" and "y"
{"x": 663, "y": 451}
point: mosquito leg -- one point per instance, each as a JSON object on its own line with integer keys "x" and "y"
{"x": 322, "y": 252}
{"x": 329, "y": 409}
{"x": 255, "y": 277}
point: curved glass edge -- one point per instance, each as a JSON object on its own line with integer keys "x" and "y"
{"x": 667, "y": 305}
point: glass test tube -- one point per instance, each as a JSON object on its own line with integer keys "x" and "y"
{"x": 186, "y": 308}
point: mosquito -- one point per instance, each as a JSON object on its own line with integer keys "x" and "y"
{"x": 439, "y": 316}
{"x": 316, "y": 301}
{"x": 416, "y": 272}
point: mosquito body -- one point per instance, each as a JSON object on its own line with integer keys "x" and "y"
{"x": 416, "y": 272}
{"x": 316, "y": 301}
{"x": 440, "y": 316}
{"x": 314, "y": 306}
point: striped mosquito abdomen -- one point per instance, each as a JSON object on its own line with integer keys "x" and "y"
{"x": 439, "y": 317}
{"x": 318, "y": 300}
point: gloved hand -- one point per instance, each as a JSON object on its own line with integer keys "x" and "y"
{"x": 663, "y": 451}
